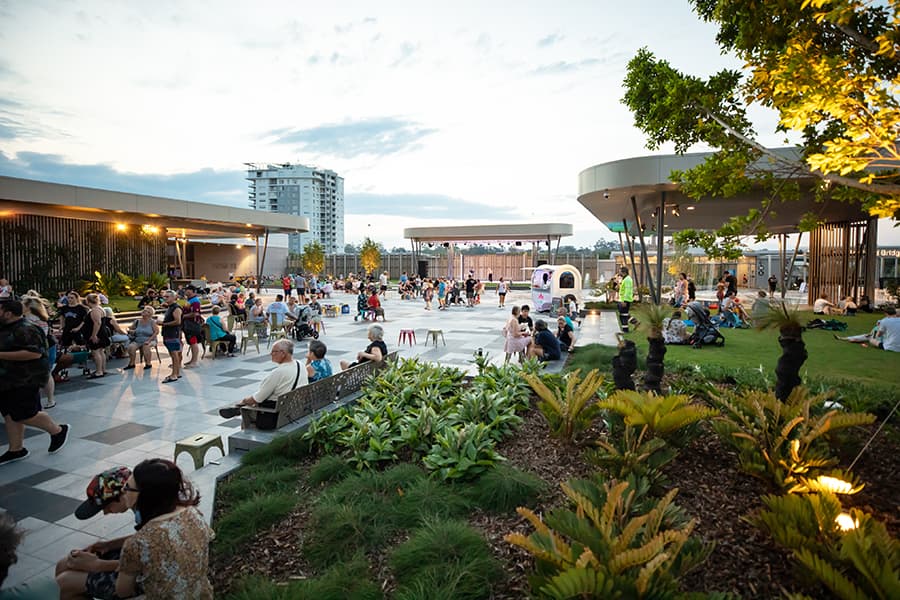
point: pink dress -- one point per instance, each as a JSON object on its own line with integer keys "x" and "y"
{"x": 516, "y": 341}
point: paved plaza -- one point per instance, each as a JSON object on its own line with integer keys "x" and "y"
{"x": 129, "y": 416}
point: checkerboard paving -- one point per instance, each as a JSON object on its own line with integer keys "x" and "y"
{"x": 129, "y": 416}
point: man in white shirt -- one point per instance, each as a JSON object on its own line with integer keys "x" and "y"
{"x": 289, "y": 374}
{"x": 889, "y": 330}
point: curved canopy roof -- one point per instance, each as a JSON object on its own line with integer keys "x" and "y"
{"x": 180, "y": 218}
{"x": 606, "y": 191}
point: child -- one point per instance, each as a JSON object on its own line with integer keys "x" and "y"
{"x": 362, "y": 304}
{"x": 374, "y": 305}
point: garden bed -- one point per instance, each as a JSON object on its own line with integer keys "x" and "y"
{"x": 712, "y": 489}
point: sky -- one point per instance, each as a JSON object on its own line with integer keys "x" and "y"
{"x": 435, "y": 113}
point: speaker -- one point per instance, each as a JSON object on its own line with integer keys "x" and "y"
{"x": 423, "y": 269}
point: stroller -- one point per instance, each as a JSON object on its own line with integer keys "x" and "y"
{"x": 302, "y": 327}
{"x": 705, "y": 332}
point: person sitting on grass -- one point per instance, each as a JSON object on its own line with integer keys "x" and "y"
{"x": 823, "y": 306}
{"x": 875, "y": 335}
{"x": 317, "y": 366}
{"x": 848, "y": 306}
{"x": 375, "y": 351}
{"x": 288, "y": 375}
{"x": 544, "y": 346}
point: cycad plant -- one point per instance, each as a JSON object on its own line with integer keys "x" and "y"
{"x": 784, "y": 441}
{"x": 572, "y": 409}
{"x": 667, "y": 417}
{"x": 793, "y": 350}
{"x": 850, "y": 553}
{"x": 604, "y": 548}
{"x": 653, "y": 316}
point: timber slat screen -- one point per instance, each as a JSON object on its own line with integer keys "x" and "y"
{"x": 837, "y": 261}
{"x": 50, "y": 254}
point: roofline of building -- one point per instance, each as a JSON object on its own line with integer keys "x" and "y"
{"x": 184, "y": 218}
{"x": 507, "y": 232}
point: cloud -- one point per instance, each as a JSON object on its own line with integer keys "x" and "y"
{"x": 407, "y": 50}
{"x": 205, "y": 185}
{"x": 424, "y": 206}
{"x": 551, "y": 39}
{"x": 377, "y": 137}
{"x": 565, "y": 66}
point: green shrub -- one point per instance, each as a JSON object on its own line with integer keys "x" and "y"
{"x": 274, "y": 478}
{"x": 429, "y": 498}
{"x": 571, "y": 409}
{"x": 782, "y": 441}
{"x": 862, "y": 561}
{"x": 604, "y": 548}
{"x": 668, "y": 417}
{"x": 345, "y": 581}
{"x": 245, "y": 519}
{"x": 632, "y": 451}
{"x": 503, "y": 488}
{"x": 462, "y": 452}
{"x": 290, "y": 447}
{"x": 329, "y": 469}
{"x": 448, "y": 556}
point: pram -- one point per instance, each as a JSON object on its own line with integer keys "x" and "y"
{"x": 705, "y": 332}
{"x": 302, "y": 327}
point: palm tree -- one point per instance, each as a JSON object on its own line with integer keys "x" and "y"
{"x": 624, "y": 364}
{"x": 654, "y": 315}
{"x": 793, "y": 350}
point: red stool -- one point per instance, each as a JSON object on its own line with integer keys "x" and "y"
{"x": 407, "y": 335}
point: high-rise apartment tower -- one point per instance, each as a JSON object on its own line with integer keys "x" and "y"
{"x": 301, "y": 190}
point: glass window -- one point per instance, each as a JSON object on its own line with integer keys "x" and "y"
{"x": 566, "y": 280}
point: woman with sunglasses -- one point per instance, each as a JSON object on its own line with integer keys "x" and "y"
{"x": 169, "y": 553}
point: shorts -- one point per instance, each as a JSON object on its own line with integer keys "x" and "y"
{"x": 384, "y": 288}
{"x": 172, "y": 344}
{"x": 470, "y": 295}
{"x": 21, "y": 403}
{"x": 193, "y": 340}
{"x": 102, "y": 584}
{"x": 301, "y": 291}
{"x": 502, "y": 293}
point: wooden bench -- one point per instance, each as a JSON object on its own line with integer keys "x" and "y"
{"x": 340, "y": 388}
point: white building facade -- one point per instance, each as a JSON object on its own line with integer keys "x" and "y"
{"x": 317, "y": 194}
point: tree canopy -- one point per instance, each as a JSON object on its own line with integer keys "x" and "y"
{"x": 369, "y": 255}
{"x": 313, "y": 260}
{"x": 830, "y": 70}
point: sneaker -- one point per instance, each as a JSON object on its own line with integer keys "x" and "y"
{"x": 49, "y": 404}
{"x": 10, "y": 457}
{"x": 231, "y": 411}
{"x": 59, "y": 440}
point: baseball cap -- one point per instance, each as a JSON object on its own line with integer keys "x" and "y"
{"x": 103, "y": 489}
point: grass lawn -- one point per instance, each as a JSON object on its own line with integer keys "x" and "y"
{"x": 829, "y": 359}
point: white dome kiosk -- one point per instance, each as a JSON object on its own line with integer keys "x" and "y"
{"x": 551, "y": 285}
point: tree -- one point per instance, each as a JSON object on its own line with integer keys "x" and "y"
{"x": 313, "y": 257}
{"x": 350, "y": 249}
{"x": 369, "y": 255}
{"x": 828, "y": 67}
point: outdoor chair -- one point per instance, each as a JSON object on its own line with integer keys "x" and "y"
{"x": 214, "y": 345}
{"x": 277, "y": 330}
{"x": 249, "y": 334}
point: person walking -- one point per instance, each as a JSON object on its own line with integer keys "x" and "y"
{"x": 773, "y": 283}
{"x": 23, "y": 370}
{"x": 502, "y": 289}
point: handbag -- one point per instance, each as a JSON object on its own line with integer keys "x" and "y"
{"x": 267, "y": 421}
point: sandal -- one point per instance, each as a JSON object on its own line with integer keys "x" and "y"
{"x": 169, "y": 379}
{"x": 96, "y": 375}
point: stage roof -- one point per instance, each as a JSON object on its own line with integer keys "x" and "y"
{"x": 508, "y": 232}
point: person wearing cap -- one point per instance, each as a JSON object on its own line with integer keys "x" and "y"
{"x": 92, "y": 571}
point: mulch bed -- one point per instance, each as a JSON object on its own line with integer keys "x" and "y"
{"x": 711, "y": 488}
